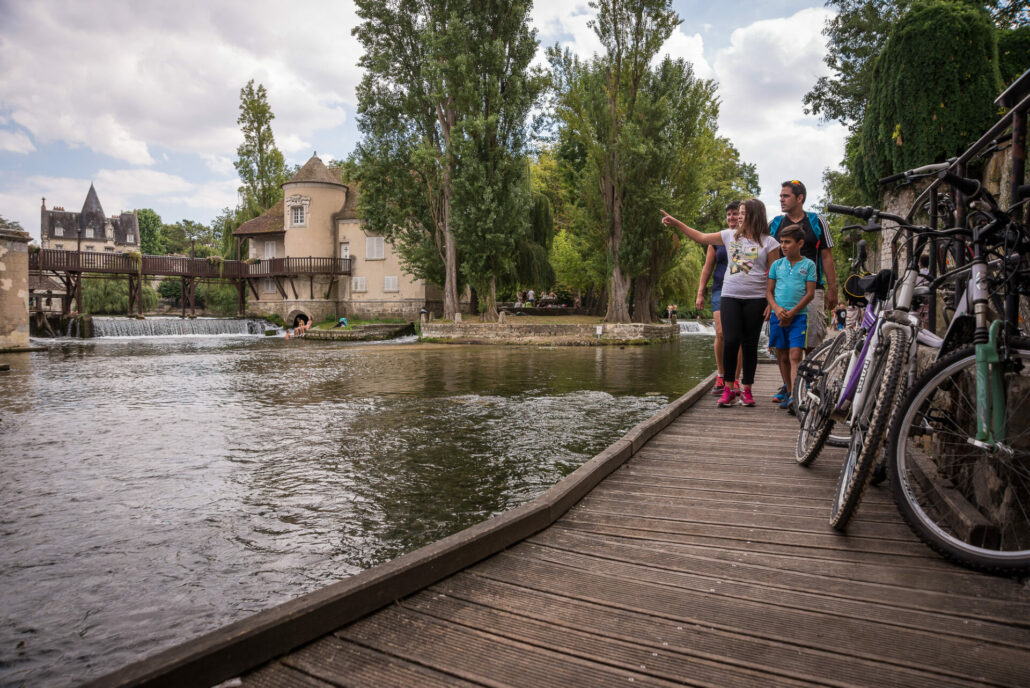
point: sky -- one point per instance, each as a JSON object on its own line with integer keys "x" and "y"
{"x": 141, "y": 99}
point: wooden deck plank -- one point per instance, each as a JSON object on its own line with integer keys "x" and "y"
{"x": 662, "y": 634}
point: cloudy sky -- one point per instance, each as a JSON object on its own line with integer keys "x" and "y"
{"x": 142, "y": 98}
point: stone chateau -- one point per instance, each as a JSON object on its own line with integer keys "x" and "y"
{"x": 60, "y": 228}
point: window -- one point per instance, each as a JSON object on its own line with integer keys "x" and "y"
{"x": 269, "y": 249}
{"x": 344, "y": 249}
{"x": 91, "y": 247}
{"x": 59, "y": 247}
{"x": 130, "y": 239}
{"x": 89, "y": 232}
{"x": 390, "y": 283}
{"x": 357, "y": 284}
{"x": 59, "y": 231}
{"x": 269, "y": 287}
{"x": 373, "y": 248}
{"x": 110, "y": 232}
{"x": 298, "y": 215}
{"x": 109, "y": 249}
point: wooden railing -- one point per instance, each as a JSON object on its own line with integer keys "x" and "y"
{"x": 179, "y": 266}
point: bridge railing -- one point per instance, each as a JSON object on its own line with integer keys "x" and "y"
{"x": 180, "y": 266}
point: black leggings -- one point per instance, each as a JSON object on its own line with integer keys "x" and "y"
{"x": 741, "y": 326}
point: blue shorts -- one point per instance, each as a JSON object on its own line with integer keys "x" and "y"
{"x": 716, "y": 299}
{"x": 792, "y": 336}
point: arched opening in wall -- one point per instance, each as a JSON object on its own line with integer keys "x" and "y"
{"x": 298, "y": 318}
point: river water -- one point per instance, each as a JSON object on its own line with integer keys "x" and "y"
{"x": 157, "y": 488}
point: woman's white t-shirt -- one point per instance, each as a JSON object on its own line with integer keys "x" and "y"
{"x": 747, "y": 269}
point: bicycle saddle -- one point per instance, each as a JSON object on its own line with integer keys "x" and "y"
{"x": 878, "y": 284}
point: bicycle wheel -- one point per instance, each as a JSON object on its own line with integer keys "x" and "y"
{"x": 868, "y": 429}
{"x": 814, "y": 404}
{"x": 969, "y": 504}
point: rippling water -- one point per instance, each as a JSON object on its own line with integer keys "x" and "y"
{"x": 155, "y": 489}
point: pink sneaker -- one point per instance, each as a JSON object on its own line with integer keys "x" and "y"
{"x": 745, "y": 397}
{"x": 720, "y": 384}
{"x": 727, "y": 397}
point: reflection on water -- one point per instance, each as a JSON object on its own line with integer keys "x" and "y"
{"x": 157, "y": 488}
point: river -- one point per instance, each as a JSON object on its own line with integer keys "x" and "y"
{"x": 157, "y": 488}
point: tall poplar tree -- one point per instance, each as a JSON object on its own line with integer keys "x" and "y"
{"x": 259, "y": 163}
{"x": 442, "y": 108}
{"x": 599, "y": 100}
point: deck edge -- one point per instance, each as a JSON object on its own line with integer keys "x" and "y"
{"x": 245, "y": 644}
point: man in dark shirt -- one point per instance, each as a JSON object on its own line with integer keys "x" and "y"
{"x": 818, "y": 246}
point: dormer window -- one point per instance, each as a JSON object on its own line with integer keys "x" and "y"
{"x": 297, "y": 207}
{"x": 89, "y": 232}
{"x": 298, "y": 216}
{"x": 59, "y": 231}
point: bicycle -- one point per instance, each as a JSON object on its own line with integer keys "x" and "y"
{"x": 959, "y": 450}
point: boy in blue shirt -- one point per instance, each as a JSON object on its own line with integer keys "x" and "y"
{"x": 791, "y": 287}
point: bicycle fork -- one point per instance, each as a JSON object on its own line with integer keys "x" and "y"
{"x": 990, "y": 381}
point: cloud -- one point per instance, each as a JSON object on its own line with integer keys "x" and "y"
{"x": 123, "y": 78}
{"x": 763, "y": 76}
{"x": 15, "y": 142}
{"x": 690, "y": 48}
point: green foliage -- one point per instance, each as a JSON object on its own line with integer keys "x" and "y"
{"x": 10, "y": 224}
{"x": 928, "y": 102}
{"x": 840, "y": 188}
{"x": 259, "y": 163}
{"x": 274, "y": 318}
{"x": 1013, "y": 53}
{"x": 442, "y": 109}
{"x": 170, "y": 288}
{"x": 532, "y": 266}
{"x": 150, "y": 232}
{"x": 217, "y": 297}
{"x": 102, "y": 296}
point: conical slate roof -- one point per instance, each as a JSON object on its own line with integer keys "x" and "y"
{"x": 92, "y": 214}
{"x": 92, "y": 204}
{"x": 314, "y": 170}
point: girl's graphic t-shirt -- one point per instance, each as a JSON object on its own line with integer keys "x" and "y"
{"x": 748, "y": 271}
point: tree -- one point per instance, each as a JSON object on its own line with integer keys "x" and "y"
{"x": 149, "y": 232}
{"x": 923, "y": 109}
{"x": 442, "y": 109}
{"x": 259, "y": 163}
{"x": 597, "y": 99}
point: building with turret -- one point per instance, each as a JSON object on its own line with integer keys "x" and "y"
{"x": 318, "y": 218}
{"x": 63, "y": 229}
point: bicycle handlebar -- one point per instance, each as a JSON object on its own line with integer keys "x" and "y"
{"x": 969, "y": 187}
{"x": 863, "y": 212}
{"x": 915, "y": 172}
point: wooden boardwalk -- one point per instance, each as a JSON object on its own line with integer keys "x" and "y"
{"x": 707, "y": 559}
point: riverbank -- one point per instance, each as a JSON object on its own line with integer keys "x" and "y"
{"x": 362, "y": 333}
{"x": 549, "y": 333}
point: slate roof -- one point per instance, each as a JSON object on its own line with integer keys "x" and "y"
{"x": 125, "y": 226}
{"x": 314, "y": 170}
{"x": 350, "y": 208}
{"x": 268, "y": 222}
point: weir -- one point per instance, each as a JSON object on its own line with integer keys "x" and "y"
{"x": 695, "y": 327}
{"x": 171, "y": 327}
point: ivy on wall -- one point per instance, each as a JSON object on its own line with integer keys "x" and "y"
{"x": 933, "y": 89}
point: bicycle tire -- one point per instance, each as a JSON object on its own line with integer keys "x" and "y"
{"x": 969, "y": 505}
{"x": 866, "y": 442}
{"x": 814, "y": 422}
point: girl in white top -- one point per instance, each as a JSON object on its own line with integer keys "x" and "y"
{"x": 751, "y": 250}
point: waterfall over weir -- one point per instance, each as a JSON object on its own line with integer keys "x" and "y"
{"x": 695, "y": 327}
{"x": 171, "y": 327}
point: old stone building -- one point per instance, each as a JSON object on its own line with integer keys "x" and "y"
{"x": 318, "y": 218}
{"x": 63, "y": 229}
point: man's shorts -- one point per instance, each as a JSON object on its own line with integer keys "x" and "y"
{"x": 716, "y": 299}
{"x": 792, "y": 336}
{"x": 817, "y": 319}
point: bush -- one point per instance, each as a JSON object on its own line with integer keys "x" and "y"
{"x": 111, "y": 296}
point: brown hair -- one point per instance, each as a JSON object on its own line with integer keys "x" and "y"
{"x": 792, "y": 232}
{"x": 755, "y": 225}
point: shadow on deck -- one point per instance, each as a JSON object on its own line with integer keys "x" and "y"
{"x": 706, "y": 558}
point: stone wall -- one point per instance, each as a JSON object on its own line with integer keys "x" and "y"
{"x": 14, "y": 289}
{"x": 362, "y": 332}
{"x": 551, "y": 333}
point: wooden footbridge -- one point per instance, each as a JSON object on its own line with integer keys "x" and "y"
{"x": 69, "y": 267}
{"x": 692, "y": 551}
